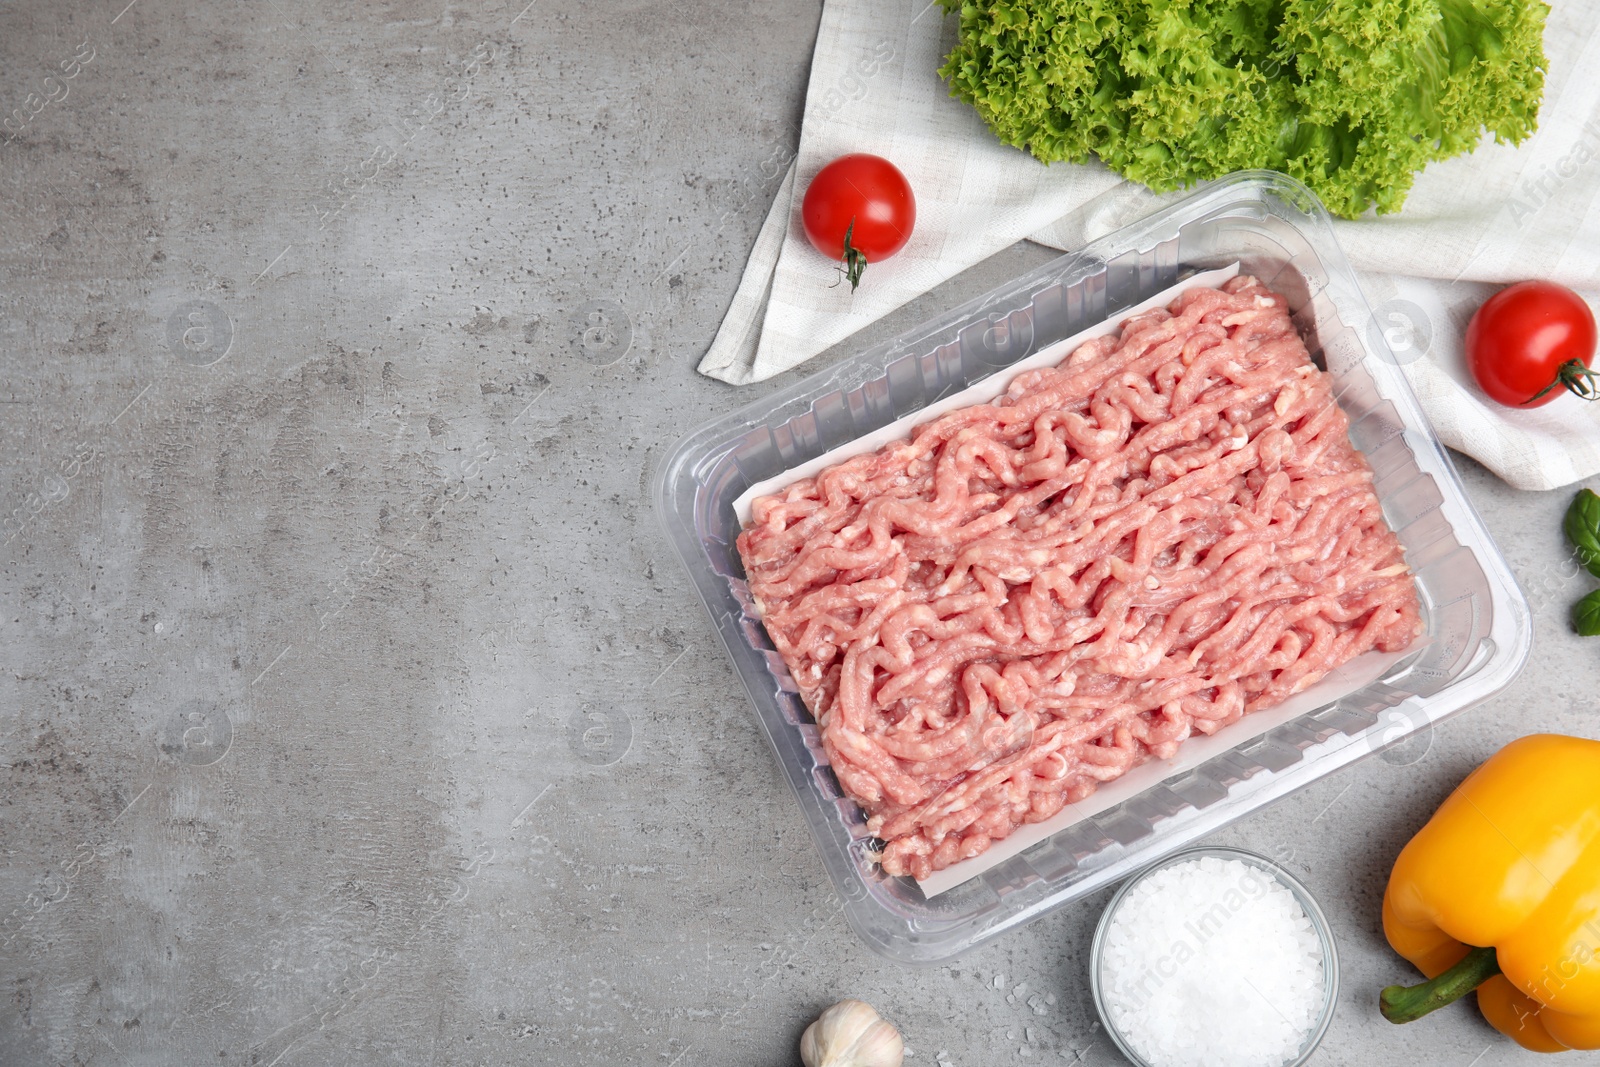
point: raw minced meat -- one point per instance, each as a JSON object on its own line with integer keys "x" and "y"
{"x": 1029, "y": 597}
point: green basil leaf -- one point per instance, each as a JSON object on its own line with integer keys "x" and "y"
{"x": 1586, "y": 615}
{"x": 1582, "y": 526}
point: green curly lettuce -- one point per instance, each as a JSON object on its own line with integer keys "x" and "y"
{"x": 1352, "y": 97}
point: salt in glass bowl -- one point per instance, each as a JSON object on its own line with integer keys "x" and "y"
{"x": 1308, "y": 903}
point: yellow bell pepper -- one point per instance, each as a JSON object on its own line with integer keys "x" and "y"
{"x": 1500, "y": 892}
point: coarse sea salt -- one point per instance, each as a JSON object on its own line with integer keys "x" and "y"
{"x": 1209, "y": 962}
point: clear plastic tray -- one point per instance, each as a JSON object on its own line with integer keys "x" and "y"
{"x": 1478, "y": 625}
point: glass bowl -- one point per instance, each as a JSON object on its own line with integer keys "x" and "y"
{"x": 1319, "y": 922}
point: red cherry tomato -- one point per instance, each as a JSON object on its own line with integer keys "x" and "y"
{"x": 1530, "y": 342}
{"x": 859, "y": 208}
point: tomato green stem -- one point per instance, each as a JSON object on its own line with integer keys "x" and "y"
{"x": 1404, "y": 1004}
{"x": 1574, "y": 377}
{"x": 855, "y": 262}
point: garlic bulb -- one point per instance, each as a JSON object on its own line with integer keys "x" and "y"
{"x": 851, "y": 1034}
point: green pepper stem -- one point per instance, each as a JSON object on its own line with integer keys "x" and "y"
{"x": 1404, "y": 1004}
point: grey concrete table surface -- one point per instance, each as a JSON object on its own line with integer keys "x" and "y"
{"x": 353, "y": 708}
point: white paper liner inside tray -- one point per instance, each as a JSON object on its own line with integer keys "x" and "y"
{"x": 1355, "y": 675}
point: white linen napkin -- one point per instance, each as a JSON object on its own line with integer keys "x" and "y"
{"x": 1499, "y": 215}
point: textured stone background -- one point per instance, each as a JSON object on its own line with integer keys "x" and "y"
{"x": 352, "y": 708}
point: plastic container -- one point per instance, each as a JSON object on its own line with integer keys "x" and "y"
{"x": 1330, "y": 951}
{"x": 1478, "y": 625}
